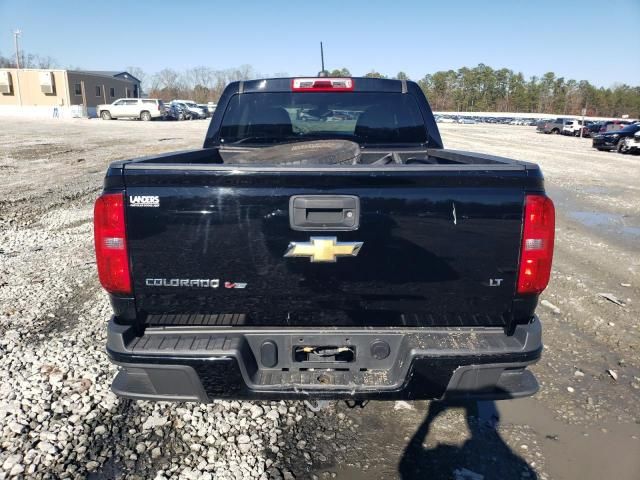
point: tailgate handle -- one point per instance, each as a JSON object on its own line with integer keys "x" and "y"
{"x": 324, "y": 212}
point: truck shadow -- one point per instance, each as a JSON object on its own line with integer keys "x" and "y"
{"x": 483, "y": 455}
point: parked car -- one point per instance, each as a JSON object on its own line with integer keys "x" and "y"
{"x": 212, "y": 107}
{"x": 143, "y": 108}
{"x": 613, "y": 125}
{"x": 194, "y": 111}
{"x": 592, "y": 129}
{"x": 588, "y": 128}
{"x": 613, "y": 140}
{"x": 553, "y": 126}
{"x": 176, "y": 112}
{"x": 572, "y": 127}
{"x": 284, "y": 271}
{"x": 631, "y": 144}
{"x": 205, "y": 108}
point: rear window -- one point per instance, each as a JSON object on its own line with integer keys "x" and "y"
{"x": 368, "y": 118}
{"x": 630, "y": 129}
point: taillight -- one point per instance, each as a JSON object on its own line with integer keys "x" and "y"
{"x": 536, "y": 251}
{"x": 111, "y": 243}
{"x": 321, "y": 84}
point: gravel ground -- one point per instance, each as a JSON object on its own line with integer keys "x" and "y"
{"x": 59, "y": 420}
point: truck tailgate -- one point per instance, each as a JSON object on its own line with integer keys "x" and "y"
{"x": 436, "y": 246}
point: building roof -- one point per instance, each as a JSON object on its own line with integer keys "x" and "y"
{"x": 102, "y": 73}
{"x": 110, "y": 73}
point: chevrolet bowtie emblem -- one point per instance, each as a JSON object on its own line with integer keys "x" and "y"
{"x": 323, "y": 249}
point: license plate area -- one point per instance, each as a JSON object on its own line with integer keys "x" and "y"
{"x": 324, "y": 354}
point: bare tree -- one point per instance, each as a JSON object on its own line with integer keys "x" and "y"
{"x": 167, "y": 84}
{"x": 29, "y": 60}
{"x": 47, "y": 62}
{"x": 7, "y": 62}
{"x": 141, "y": 75}
{"x": 201, "y": 93}
{"x": 168, "y": 78}
{"x": 201, "y": 75}
{"x": 243, "y": 72}
{"x": 221, "y": 78}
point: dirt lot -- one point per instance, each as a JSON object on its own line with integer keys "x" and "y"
{"x": 58, "y": 418}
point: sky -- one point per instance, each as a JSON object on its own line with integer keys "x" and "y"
{"x": 583, "y": 40}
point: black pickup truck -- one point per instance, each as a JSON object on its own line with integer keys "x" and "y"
{"x": 323, "y": 245}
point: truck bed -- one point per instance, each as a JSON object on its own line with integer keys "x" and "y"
{"x": 407, "y": 159}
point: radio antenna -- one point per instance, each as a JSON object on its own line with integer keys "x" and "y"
{"x": 323, "y": 72}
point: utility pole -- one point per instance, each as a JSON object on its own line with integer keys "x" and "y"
{"x": 16, "y": 34}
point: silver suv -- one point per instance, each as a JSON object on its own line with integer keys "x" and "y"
{"x": 143, "y": 108}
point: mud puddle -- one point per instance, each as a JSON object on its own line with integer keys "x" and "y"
{"x": 571, "y": 451}
{"x": 618, "y": 228}
{"x": 612, "y": 222}
{"x": 495, "y": 440}
{"x": 434, "y": 440}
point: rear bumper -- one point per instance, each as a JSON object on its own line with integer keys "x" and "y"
{"x": 603, "y": 144}
{"x": 182, "y": 364}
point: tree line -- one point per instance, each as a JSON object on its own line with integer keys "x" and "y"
{"x": 200, "y": 84}
{"x": 477, "y": 89}
{"x": 484, "y": 89}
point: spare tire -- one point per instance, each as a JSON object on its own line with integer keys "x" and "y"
{"x": 316, "y": 152}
